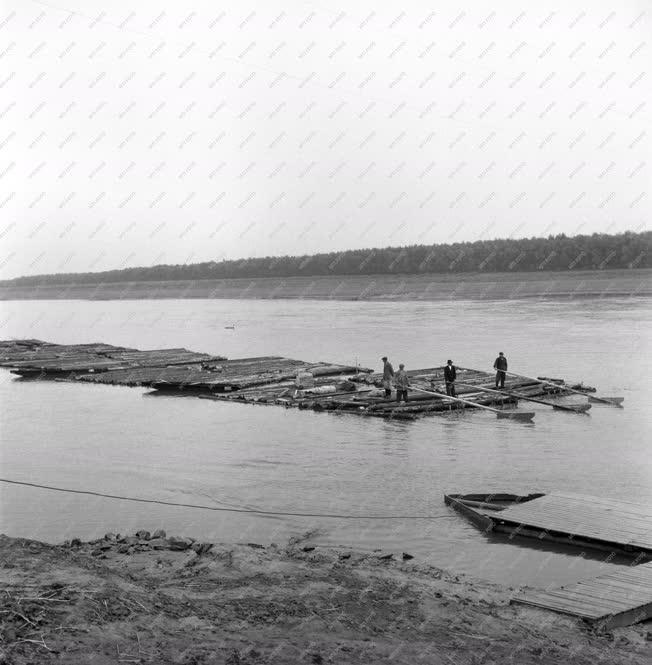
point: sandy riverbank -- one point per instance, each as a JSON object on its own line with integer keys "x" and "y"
{"x": 167, "y": 600}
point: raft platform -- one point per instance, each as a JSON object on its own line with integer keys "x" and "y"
{"x": 34, "y": 358}
{"x": 620, "y": 598}
{"x": 261, "y": 380}
{"x": 601, "y": 523}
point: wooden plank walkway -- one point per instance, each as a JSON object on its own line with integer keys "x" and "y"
{"x": 580, "y": 516}
{"x": 619, "y": 598}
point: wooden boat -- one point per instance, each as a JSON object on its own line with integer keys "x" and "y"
{"x": 473, "y": 506}
{"x": 614, "y": 400}
{"x": 572, "y": 519}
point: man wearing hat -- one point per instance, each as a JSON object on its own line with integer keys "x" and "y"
{"x": 500, "y": 365}
{"x": 402, "y": 383}
{"x": 450, "y": 374}
{"x": 388, "y": 375}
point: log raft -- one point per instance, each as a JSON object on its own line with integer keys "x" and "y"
{"x": 320, "y": 386}
{"x": 34, "y": 359}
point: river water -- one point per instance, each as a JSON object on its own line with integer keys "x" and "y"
{"x": 125, "y": 441}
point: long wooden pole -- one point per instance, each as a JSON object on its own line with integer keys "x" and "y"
{"x": 516, "y": 415}
{"x": 579, "y": 408}
{"x": 612, "y": 401}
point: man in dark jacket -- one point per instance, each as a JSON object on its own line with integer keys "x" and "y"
{"x": 450, "y": 374}
{"x": 500, "y": 365}
{"x": 388, "y": 375}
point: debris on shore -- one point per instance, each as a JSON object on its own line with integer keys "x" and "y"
{"x": 154, "y": 598}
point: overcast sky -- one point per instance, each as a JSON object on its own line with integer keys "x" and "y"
{"x": 137, "y": 133}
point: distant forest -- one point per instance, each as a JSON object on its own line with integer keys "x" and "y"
{"x": 560, "y": 252}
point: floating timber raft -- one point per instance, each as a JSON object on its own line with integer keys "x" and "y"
{"x": 619, "y": 598}
{"x": 320, "y": 386}
{"x": 33, "y": 358}
{"x": 560, "y": 517}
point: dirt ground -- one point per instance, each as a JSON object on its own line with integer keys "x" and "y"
{"x": 154, "y": 599}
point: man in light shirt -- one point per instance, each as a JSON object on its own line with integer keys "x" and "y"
{"x": 402, "y": 384}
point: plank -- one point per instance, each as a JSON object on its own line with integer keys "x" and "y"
{"x": 604, "y": 595}
{"x": 561, "y": 607}
{"x": 599, "y": 540}
{"x": 623, "y": 506}
{"x": 598, "y": 606}
{"x": 599, "y": 530}
{"x": 584, "y": 510}
{"x": 602, "y": 599}
{"x": 606, "y": 505}
{"x": 580, "y": 516}
{"x": 562, "y": 504}
{"x": 607, "y": 520}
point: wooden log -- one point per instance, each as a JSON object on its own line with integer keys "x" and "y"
{"x": 611, "y": 401}
{"x": 513, "y": 415}
{"x": 579, "y": 408}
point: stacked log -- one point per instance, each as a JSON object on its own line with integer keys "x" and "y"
{"x": 35, "y": 358}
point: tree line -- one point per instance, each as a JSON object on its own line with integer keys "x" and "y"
{"x": 598, "y": 251}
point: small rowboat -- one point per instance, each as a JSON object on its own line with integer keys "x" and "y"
{"x": 473, "y": 506}
{"x": 601, "y": 400}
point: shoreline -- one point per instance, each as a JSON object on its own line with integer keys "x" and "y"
{"x": 150, "y": 598}
{"x": 398, "y": 299}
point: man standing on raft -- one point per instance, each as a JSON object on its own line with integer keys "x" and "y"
{"x": 402, "y": 383}
{"x": 450, "y": 374}
{"x": 388, "y": 375}
{"x": 500, "y": 365}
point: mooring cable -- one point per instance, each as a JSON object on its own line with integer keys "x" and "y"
{"x": 253, "y": 511}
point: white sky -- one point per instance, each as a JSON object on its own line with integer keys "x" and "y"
{"x": 155, "y": 132}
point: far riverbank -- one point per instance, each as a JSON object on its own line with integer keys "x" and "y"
{"x": 421, "y": 287}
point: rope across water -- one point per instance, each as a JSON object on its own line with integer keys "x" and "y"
{"x": 253, "y": 511}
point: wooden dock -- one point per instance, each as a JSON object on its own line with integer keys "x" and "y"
{"x": 260, "y": 380}
{"x": 571, "y": 519}
{"x": 597, "y": 522}
{"x": 619, "y": 598}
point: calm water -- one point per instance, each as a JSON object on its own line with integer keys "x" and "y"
{"x": 124, "y": 441}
